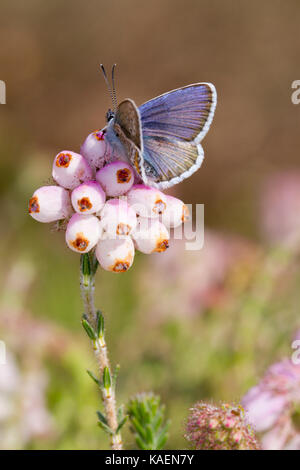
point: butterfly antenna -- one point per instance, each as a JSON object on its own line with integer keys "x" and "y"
{"x": 113, "y": 86}
{"x": 107, "y": 83}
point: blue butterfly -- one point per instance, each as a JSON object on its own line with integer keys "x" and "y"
{"x": 161, "y": 139}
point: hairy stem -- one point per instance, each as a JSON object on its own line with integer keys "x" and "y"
{"x": 88, "y": 268}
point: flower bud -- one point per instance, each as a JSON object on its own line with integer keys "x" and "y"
{"x": 88, "y": 198}
{"x": 150, "y": 236}
{"x": 95, "y": 149}
{"x": 70, "y": 169}
{"x": 116, "y": 178}
{"x": 146, "y": 201}
{"x": 50, "y": 203}
{"x": 176, "y": 212}
{"x": 117, "y": 218}
{"x": 83, "y": 232}
{"x": 116, "y": 254}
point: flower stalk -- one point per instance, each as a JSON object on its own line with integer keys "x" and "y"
{"x": 93, "y": 322}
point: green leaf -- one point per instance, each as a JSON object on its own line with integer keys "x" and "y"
{"x": 105, "y": 428}
{"x": 94, "y": 262}
{"x": 94, "y": 378}
{"x": 138, "y": 427}
{"x": 89, "y": 329}
{"x": 161, "y": 442}
{"x": 106, "y": 378}
{"x": 85, "y": 264}
{"x": 100, "y": 324}
{"x": 101, "y": 417}
{"x": 121, "y": 424}
{"x": 163, "y": 436}
{"x": 157, "y": 421}
{"x": 147, "y": 420}
{"x": 120, "y": 413}
{"x": 141, "y": 444}
{"x": 149, "y": 433}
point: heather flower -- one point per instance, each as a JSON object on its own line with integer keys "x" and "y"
{"x": 118, "y": 218}
{"x": 116, "y": 178}
{"x": 175, "y": 213}
{"x": 95, "y": 150}
{"x": 150, "y": 236}
{"x": 146, "y": 201}
{"x": 222, "y": 427}
{"x": 138, "y": 213}
{"x": 83, "y": 232}
{"x": 115, "y": 254}
{"x": 70, "y": 169}
{"x": 273, "y": 406}
{"x": 88, "y": 198}
{"x": 50, "y": 203}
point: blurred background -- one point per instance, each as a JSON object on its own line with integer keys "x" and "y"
{"x": 187, "y": 325}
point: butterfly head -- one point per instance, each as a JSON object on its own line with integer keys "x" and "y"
{"x": 110, "y": 115}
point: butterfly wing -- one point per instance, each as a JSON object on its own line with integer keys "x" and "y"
{"x": 127, "y": 131}
{"x": 128, "y": 118}
{"x": 173, "y": 126}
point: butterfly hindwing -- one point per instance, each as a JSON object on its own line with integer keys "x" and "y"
{"x": 167, "y": 160}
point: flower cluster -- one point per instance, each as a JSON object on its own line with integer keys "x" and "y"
{"x": 273, "y": 406}
{"x": 223, "y": 427}
{"x": 105, "y": 205}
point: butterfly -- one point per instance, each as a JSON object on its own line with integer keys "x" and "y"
{"x": 161, "y": 139}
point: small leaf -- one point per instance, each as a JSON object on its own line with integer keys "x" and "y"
{"x": 121, "y": 424}
{"x": 161, "y": 442}
{"x": 106, "y": 378}
{"x": 100, "y": 324}
{"x": 94, "y": 378}
{"x": 101, "y": 417}
{"x": 156, "y": 422}
{"x": 85, "y": 264}
{"x": 120, "y": 413}
{"x": 105, "y": 428}
{"x": 163, "y": 436}
{"x": 139, "y": 428}
{"x": 94, "y": 263}
{"x": 89, "y": 329}
{"x": 141, "y": 444}
{"x": 149, "y": 433}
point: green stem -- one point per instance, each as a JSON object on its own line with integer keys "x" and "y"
{"x": 88, "y": 268}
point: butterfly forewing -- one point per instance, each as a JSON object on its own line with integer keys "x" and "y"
{"x": 173, "y": 124}
{"x": 185, "y": 113}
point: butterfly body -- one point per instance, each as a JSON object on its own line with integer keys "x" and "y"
{"x": 161, "y": 139}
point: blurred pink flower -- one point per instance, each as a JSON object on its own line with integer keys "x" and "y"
{"x": 184, "y": 283}
{"x": 36, "y": 419}
{"x": 23, "y": 411}
{"x": 273, "y": 406}
{"x": 280, "y": 208}
{"x": 222, "y": 427}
